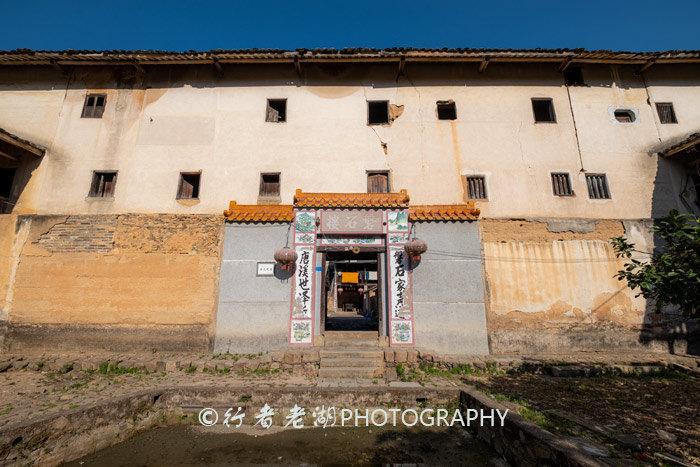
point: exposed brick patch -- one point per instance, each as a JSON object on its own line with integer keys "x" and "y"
{"x": 170, "y": 233}
{"x": 76, "y": 234}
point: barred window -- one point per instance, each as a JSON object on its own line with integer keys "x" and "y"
{"x": 666, "y": 112}
{"x": 476, "y": 187}
{"x": 597, "y": 186}
{"x": 561, "y": 184}
{"x": 94, "y": 106}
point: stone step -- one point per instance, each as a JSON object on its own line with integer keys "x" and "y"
{"x": 351, "y": 372}
{"x": 354, "y": 362}
{"x": 352, "y": 345}
{"x": 352, "y": 353}
{"x": 350, "y": 335}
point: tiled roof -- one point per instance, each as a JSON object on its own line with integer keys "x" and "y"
{"x": 285, "y": 212}
{"x": 22, "y": 143}
{"x": 259, "y": 212}
{"x": 156, "y": 57}
{"x": 676, "y": 147}
{"x": 444, "y": 212}
{"x": 351, "y": 200}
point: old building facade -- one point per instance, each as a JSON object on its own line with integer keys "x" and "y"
{"x": 514, "y": 167}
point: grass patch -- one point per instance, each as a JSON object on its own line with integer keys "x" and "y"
{"x": 406, "y": 373}
{"x": 264, "y": 371}
{"x": 528, "y": 413}
{"x": 245, "y": 398}
{"x": 7, "y": 408}
{"x": 110, "y": 369}
{"x": 190, "y": 369}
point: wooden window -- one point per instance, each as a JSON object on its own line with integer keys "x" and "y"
{"x": 103, "y": 184}
{"x": 597, "y": 186}
{"x": 377, "y": 112}
{"x": 666, "y": 112}
{"x": 476, "y": 187}
{"x": 573, "y": 76}
{"x": 276, "y": 110}
{"x": 446, "y": 110}
{"x": 378, "y": 182}
{"x": 543, "y": 110}
{"x": 624, "y": 116}
{"x": 94, "y": 106}
{"x": 270, "y": 184}
{"x": 561, "y": 184}
{"x": 189, "y": 186}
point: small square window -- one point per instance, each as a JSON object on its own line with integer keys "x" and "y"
{"x": 573, "y": 76}
{"x": 476, "y": 187}
{"x": 378, "y": 182}
{"x": 94, "y": 106}
{"x": 666, "y": 112}
{"x": 543, "y": 110}
{"x": 103, "y": 184}
{"x": 446, "y": 110}
{"x": 625, "y": 116}
{"x": 377, "y": 112}
{"x": 597, "y": 186}
{"x": 561, "y": 184}
{"x": 276, "y": 110}
{"x": 269, "y": 185}
{"x": 189, "y": 186}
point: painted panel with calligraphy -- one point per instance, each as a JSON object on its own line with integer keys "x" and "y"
{"x": 400, "y": 300}
{"x": 303, "y": 283}
{"x": 352, "y": 221}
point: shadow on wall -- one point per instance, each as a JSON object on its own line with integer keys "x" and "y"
{"x": 673, "y": 189}
{"x": 16, "y": 168}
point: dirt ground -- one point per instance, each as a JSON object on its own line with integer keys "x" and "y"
{"x": 25, "y": 394}
{"x": 634, "y": 416}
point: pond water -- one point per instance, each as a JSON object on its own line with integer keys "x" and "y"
{"x": 178, "y": 445}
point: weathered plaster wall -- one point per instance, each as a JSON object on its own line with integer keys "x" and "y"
{"x": 7, "y": 236}
{"x": 448, "y": 290}
{"x": 551, "y": 286}
{"x": 253, "y": 311}
{"x": 187, "y": 119}
{"x": 81, "y": 275}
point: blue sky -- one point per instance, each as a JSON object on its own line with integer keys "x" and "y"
{"x": 204, "y": 25}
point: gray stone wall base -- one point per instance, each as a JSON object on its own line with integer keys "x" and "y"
{"x": 594, "y": 337}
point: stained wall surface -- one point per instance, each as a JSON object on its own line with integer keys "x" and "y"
{"x": 97, "y": 277}
{"x": 186, "y": 119}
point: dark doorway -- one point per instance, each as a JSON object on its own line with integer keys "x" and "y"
{"x": 351, "y": 295}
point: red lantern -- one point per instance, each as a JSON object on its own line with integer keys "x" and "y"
{"x": 414, "y": 248}
{"x": 286, "y": 258}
